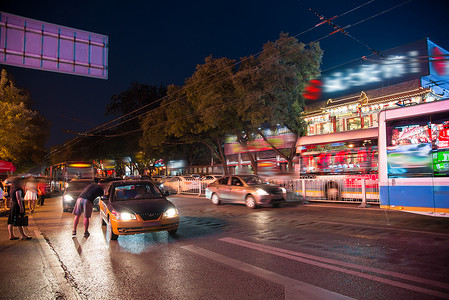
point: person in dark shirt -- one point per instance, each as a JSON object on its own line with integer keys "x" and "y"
{"x": 84, "y": 206}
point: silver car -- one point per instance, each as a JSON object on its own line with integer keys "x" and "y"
{"x": 246, "y": 189}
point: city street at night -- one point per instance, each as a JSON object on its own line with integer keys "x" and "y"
{"x": 296, "y": 251}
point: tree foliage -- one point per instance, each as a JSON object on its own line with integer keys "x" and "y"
{"x": 222, "y": 98}
{"x": 270, "y": 87}
{"x": 201, "y": 112}
{"x": 23, "y": 131}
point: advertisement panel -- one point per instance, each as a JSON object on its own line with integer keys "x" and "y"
{"x": 39, "y": 45}
{"x": 393, "y": 66}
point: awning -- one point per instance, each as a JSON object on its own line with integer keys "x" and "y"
{"x": 6, "y": 166}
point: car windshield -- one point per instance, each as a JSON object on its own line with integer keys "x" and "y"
{"x": 136, "y": 192}
{"x": 75, "y": 186}
{"x": 253, "y": 180}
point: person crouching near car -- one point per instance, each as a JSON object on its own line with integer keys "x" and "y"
{"x": 17, "y": 210}
{"x": 84, "y": 205}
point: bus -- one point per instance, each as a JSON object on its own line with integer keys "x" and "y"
{"x": 414, "y": 159}
{"x": 334, "y": 166}
{"x": 60, "y": 174}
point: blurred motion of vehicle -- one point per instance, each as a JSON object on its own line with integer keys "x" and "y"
{"x": 61, "y": 174}
{"x": 246, "y": 189}
{"x": 414, "y": 159}
{"x": 73, "y": 190}
{"x": 137, "y": 206}
{"x": 182, "y": 184}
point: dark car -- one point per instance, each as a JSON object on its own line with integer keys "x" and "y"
{"x": 137, "y": 206}
{"x": 73, "y": 190}
{"x": 247, "y": 189}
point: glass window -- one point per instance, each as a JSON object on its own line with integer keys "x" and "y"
{"x": 354, "y": 123}
{"x": 418, "y": 146}
{"x": 223, "y": 180}
{"x": 236, "y": 181}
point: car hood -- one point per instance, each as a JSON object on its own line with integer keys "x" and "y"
{"x": 141, "y": 206}
{"x": 72, "y": 192}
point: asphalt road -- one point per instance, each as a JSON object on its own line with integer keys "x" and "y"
{"x": 311, "y": 251}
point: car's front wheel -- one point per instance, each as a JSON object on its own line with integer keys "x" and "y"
{"x": 173, "y": 231}
{"x": 112, "y": 235}
{"x": 215, "y": 199}
{"x": 250, "y": 202}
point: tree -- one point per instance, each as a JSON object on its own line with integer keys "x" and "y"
{"x": 270, "y": 88}
{"x": 140, "y": 97}
{"x": 23, "y": 131}
{"x": 202, "y": 111}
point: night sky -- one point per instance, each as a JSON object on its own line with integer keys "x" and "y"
{"x": 162, "y": 42}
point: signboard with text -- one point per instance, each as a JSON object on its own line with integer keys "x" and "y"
{"x": 393, "y": 66}
{"x": 38, "y": 45}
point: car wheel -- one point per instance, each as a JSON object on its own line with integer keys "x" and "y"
{"x": 250, "y": 202}
{"x": 276, "y": 205}
{"x": 215, "y": 200}
{"x": 173, "y": 231}
{"x": 112, "y": 235}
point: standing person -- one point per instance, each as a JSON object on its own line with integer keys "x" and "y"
{"x": 41, "y": 185}
{"x": 17, "y": 210}
{"x": 31, "y": 194}
{"x": 6, "y": 193}
{"x": 84, "y": 205}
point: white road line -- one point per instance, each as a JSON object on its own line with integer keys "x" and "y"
{"x": 325, "y": 263}
{"x": 382, "y": 228}
{"x": 52, "y": 264}
{"x": 294, "y": 289}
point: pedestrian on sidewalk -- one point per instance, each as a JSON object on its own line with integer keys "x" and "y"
{"x": 6, "y": 193}
{"x": 41, "y": 185}
{"x": 17, "y": 210}
{"x": 31, "y": 193}
{"x": 84, "y": 205}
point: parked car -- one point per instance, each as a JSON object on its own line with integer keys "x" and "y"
{"x": 137, "y": 206}
{"x": 247, "y": 189}
{"x": 181, "y": 184}
{"x": 73, "y": 190}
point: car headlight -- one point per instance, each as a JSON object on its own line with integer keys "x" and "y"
{"x": 170, "y": 213}
{"x": 125, "y": 216}
{"x": 68, "y": 198}
{"x": 261, "y": 192}
{"x": 284, "y": 191}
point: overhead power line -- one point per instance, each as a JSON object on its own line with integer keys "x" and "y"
{"x": 113, "y": 123}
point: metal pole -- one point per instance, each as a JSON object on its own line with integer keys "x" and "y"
{"x": 364, "y": 204}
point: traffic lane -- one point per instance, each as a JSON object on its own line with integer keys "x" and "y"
{"x": 135, "y": 265}
{"x": 349, "y": 279}
{"x": 359, "y": 235}
{"x": 262, "y": 224}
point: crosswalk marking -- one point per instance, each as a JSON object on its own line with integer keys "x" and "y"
{"x": 294, "y": 289}
{"x": 331, "y": 264}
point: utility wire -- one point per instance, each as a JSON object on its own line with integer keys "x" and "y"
{"x": 98, "y": 128}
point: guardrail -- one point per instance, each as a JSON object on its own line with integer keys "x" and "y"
{"x": 358, "y": 190}
{"x": 334, "y": 190}
{"x": 190, "y": 186}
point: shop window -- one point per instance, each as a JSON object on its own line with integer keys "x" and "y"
{"x": 354, "y": 123}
